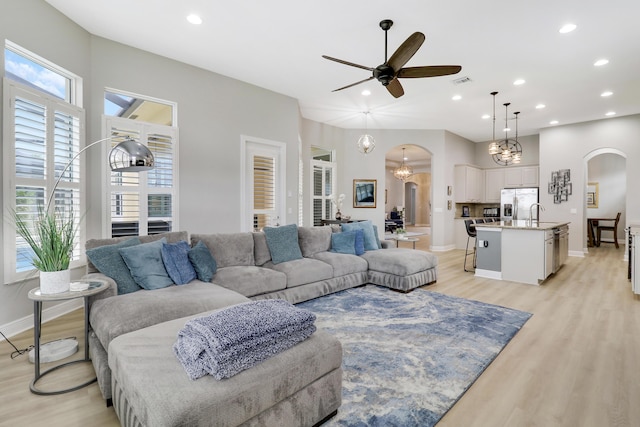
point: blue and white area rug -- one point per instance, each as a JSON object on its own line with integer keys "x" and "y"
{"x": 408, "y": 358}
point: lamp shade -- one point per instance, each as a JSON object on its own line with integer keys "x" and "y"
{"x": 130, "y": 156}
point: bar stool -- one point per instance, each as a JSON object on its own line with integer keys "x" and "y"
{"x": 471, "y": 234}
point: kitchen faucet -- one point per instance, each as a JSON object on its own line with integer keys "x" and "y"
{"x": 531, "y": 212}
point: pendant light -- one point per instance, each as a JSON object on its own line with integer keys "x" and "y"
{"x": 404, "y": 172}
{"x": 506, "y": 151}
{"x": 366, "y": 143}
{"x": 494, "y": 147}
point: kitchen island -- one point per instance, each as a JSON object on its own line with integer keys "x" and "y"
{"x": 521, "y": 251}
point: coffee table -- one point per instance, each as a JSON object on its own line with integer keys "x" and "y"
{"x": 407, "y": 239}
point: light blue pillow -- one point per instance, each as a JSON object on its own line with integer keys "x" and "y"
{"x": 344, "y": 243}
{"x": 370, "y": 243}
{"x": 146, "y": 266}
{"x": 108, "y": 261}
{"x": 203, "y": 262}
{"x": 175, "y": 257}
{"x": 283, "y": 243}
{"x": 359, "y": 245}
{"x": 375, "y": 233}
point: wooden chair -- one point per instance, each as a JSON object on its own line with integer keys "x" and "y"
{"x": 613, "y": 228}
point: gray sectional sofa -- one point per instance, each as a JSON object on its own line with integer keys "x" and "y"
{"x": 132, "y": 333}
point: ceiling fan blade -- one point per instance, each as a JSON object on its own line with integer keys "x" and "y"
{"x": 395, "y": 88}
{"x": 353, "y": 84}
{"x": 406, "y": 50}
{"x": 428, "y": 71}
{"x": 347, "y": 63}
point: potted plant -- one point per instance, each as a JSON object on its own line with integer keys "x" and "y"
{"x": 51, "y": 238}
{"x": 402, "y": 233}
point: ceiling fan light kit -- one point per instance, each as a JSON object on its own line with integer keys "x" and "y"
{"x": 506, "y": 151}
{"x": 392, "y": 69}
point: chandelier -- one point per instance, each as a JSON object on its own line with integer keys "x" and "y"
{"x": 404, "y": 172}
{"x": 366, "y": 143}
{"x": 506, "y": 151}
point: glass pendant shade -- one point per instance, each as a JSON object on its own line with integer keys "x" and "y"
{"x": 494, "y": 148}
{"x": 366, "y": 144}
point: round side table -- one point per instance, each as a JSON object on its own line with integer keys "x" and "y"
{"x": 95, "y": 287}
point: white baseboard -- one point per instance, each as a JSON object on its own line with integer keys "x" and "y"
{"x": 488, "y": 274}
{"x": 26, "y": 323}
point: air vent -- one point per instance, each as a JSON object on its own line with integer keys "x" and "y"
{"x": 461, "y": 80}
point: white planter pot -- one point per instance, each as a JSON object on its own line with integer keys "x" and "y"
{"x": 54, "y": 282}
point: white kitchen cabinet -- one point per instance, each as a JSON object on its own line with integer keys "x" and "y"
{"x": 526, "y": 176}
{"x": 468, "y": 184}
{"x": 493, "y": 184}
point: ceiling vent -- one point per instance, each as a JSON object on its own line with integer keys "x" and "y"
{"x": 461, "y": 80}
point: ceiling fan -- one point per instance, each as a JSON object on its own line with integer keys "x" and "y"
{"x": 389, "y": 72}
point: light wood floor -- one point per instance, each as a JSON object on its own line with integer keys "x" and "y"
{"x": 576, "y": 362}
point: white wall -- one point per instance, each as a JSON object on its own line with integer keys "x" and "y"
{"x": 569, "y": 147}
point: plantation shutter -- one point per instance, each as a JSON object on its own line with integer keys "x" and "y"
{"x": 322, "y": 181}
{"x": 143, "y": 203}
{"x": 43, "y": 136}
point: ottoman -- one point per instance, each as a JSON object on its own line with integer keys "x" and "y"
{"x": 301, "y": 386}
{"x": 401, "y": 269}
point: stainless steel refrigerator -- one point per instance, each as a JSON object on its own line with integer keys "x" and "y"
{"x": 516, "y": 203}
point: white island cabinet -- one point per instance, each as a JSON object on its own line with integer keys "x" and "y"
{"x": 529, "y": 253}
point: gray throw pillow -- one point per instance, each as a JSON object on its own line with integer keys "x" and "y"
{"x": 283, "y": 243}
{"x": 108, "y": 261}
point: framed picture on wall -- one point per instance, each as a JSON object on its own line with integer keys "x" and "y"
{"x": 364, "y": 193}
{"x": 592, "y": 195}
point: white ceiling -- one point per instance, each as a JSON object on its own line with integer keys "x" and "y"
{"x": 278, "y": 45}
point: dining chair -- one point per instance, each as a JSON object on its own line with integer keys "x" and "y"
{"x": 613, "y": 228}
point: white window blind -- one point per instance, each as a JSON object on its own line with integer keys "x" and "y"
{"x": 264, "y": 191}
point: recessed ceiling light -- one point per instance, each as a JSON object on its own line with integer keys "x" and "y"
{"x": 601, "y": 62}
{"x": 519, "y": 82}
{"x": 366, "y": 92}
{"x": 553, "y": 122}
{"x": 567, "y": 28}
{"x": 456, "y": 97}
{"x": 540, "y": 106}
{"x": 486, "y": 116}
{"x": 610, "y": 113}
{"x": 405, "y": 158}
{"x": 506, "y": 129}
{"x": 606, "y": 93}
{"x": 194, "y": 19}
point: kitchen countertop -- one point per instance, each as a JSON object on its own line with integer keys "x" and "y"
{"x": 522, "y": 224}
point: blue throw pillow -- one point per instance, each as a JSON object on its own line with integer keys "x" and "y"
{"x": 375, "y": 233}
{"x": 283, "y": 243}
{"x": 370, "y": 243}
{"x": 344, "y": 243}
{"x": 146, "y": 266}
{"x": 108, "y": 261}
{"x": 203, "y": 262}
{"x": 359, "y": 245}
{"x": 175, "y": 257}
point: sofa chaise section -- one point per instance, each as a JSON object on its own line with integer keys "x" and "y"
{"x": 299, "y": 387}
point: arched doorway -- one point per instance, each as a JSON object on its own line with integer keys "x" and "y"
{"x": 606, "y": 191}
{"x": 413, "y": 196}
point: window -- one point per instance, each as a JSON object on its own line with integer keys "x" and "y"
{"x": 263, "y": 179}
{"x": 143, "y": 203}
{"x": 322, "y": 184}
{"x": 42, "y": 135}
